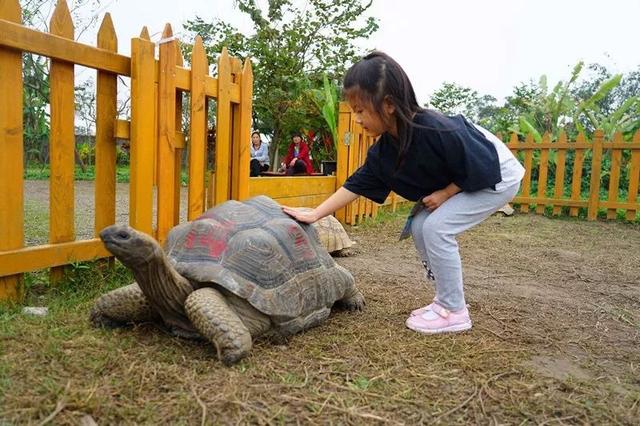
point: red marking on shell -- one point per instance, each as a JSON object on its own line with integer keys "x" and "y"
{"x": 301, "y": 241}
{"x": 191, "y": 239}
{"x": 216, "y": 247}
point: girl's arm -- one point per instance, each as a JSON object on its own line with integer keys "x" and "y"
{"x": 339, "y": 199}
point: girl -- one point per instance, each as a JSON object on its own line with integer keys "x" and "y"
{"x": 460, "y": 172}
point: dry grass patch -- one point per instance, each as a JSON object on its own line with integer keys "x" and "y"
{"x": 556, "y": 330}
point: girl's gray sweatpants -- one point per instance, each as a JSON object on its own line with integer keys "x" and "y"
{"x": 434, "y": 234}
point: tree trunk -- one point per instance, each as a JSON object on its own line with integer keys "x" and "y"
{"x": 273, "y": 148}
{"x": 79, "y": 160}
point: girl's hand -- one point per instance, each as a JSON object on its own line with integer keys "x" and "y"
{"x": 306, "y": 217}
{"x": 435, "y": 199}
{"x": 292, "y": 163}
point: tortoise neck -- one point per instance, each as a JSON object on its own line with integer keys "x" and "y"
{"x": 165, "y": 289}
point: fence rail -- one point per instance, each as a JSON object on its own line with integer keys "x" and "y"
{"x": 157, "y": 87}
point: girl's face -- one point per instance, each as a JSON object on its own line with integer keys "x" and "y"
{"x": 255, "y": 138}
{"x": 370, "y": 120}
{"x": 297, "y": 139}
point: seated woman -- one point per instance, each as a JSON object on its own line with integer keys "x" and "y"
{"x": 259, "y": 155}
{"x": 297, "y": 160}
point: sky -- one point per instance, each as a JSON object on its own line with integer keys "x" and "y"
{"x": 487, "y": 45}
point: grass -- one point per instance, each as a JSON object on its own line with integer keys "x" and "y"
{"x": 145, "y": 376}
{"x": 35, "y": 172}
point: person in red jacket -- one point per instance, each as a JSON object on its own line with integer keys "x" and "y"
{"x": 297, "y": 159}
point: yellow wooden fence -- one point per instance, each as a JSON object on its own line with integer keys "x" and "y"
{"x": 157, "y": 86}
{"x": 597, "y": 150}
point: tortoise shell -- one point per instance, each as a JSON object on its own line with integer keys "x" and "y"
{"x": 332, "y": 235}
{"x": 256, "y": 251}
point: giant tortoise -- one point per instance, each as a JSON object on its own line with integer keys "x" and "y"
{"x": 240, "y": 270}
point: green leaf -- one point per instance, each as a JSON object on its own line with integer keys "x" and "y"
{"x": 526, "y": 127}
{"x": 605, "y": 88}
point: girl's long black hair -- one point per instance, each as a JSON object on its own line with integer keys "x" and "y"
{"x": 377, "y": 77}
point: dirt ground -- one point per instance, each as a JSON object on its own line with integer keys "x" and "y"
{"x": 36, "y": 194}
{"x": 556, "y": 337}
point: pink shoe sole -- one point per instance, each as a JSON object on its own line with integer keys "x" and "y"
{"x": 449, "y": 329}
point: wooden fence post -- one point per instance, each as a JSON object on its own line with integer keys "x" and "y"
{"x": 542, "y": 175}
{"x": 179, "y": 145}
{"x": 560, "y": 172}
{"x": 614, "y": 175}
{"x": 12, "y": 152}
{"x": 594, "y": 187}
{"x": 526, "y": 180}
{"x": 167, "y": 133}
{"x": 223, "y": 130}
{"x": 198, "y": 131}
{"x": 244, "y": 124}
{"x": 106, "y": 115}
{"x": 61, "y": 140}
{"x": 342, "y": 154}
{"x": 576, "y": 181}
{"x": 236, "y": 78}
{"x": 634, "y": 176}
{"x": 143, "y": 133}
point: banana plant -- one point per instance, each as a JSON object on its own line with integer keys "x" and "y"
{"x": 624, "y": 119}
{"x": 326, "y": 100}
{"x": 551, "y": 109}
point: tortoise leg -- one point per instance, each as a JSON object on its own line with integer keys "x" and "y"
{"x": 213, "y": 318}
{"x": 122, "y": 306}
{"x": 353, "y": 300}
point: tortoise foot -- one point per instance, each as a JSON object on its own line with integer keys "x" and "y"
{"x": 100, "y": 320}
{"x": 186, "y": 334}
{"x": 353, "y": 303}
{"x": 232, "y": 356}
{"x": 345, "y": 252}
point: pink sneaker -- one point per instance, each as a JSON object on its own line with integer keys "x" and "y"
{"x": 440, "y": 320}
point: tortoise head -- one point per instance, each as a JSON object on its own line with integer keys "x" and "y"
{"x": 131, "y": 247}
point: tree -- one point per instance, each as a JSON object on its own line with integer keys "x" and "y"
{"x": 35, "y": 73}
{"x": 452, "y": 99}
{"x": 290, "y": 49}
